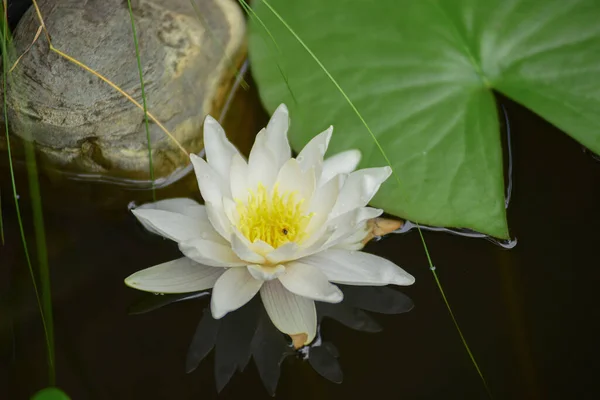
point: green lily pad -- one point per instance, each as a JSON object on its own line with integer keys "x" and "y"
{"x": 421, "y": 73}
{"x": 50, "y": 393}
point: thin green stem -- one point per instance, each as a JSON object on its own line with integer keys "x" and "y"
{"x": 445, "y": 299}
{"x": 45, "y": 309}
{"x": 147, "y": 124}
{"x": 42, "y": 250}
{"x": 336, "y": 84}
{"x": 252, "y": 14}
{"x": 380, "y": 148}
{"x": 255, "y": 16}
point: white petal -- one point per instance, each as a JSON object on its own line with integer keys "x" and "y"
{"x": 358, "y": 268}
{"x": 292, "y": 179}
{"x": 283, "y": 253}
{"x": 312, "y": 154}
{"x": 308, "y": 281}
{"x": 359, "y": 189}
{"x": 212, "y": 186}
{"x": 290, "y": 313}
{"x": 321, "y": 204}
{"x": 262, "y": 164}
{"x": 276, "y": 134}
{"x": 238, "y": 178}
{"x": 179, "y": 205}
{"x": 265, "y": 273}
{"x": 348, "y": 223}
{"x": 219, "y": 149}
{"x": 354, "y": 241}
{"x": 230, "y": 211}
{"x": 323, "y": 236}
{"x": 350, "y": 245}
{"x": 211, "y": 253}
{"x": 234, "y": 288}
{"x": 243, "y": 248}
{"x": 218, "y": 219}
{"x": 337, "y": 231}
{"x": 175, "y": 226}
{"x": 341, "y": 163}
{"x": 261, "y": 247}
{"x": 178, "y": 276}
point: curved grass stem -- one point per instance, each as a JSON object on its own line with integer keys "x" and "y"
{"x": 145, "y": 106}
{"x": 250, "y": 12}
{"x": 106, "y": 80}
{"x": 454, "y": 321}
{"x": 380, "y": 148}
{"x": 44, "y": 301}
{"x": 36, "y": 37}
{"x": 42, "y": 251}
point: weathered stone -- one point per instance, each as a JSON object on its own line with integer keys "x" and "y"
{"x": 80, "y": 123}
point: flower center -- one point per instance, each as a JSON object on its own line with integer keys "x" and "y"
{"x": 275, "y": 218}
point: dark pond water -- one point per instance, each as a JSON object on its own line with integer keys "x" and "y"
{"x": 528, "y": 313}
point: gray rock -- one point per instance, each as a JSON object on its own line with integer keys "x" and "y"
{"x": 79, "y": 123}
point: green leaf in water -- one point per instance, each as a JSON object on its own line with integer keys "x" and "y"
{"x": 421, "y": 73}
{"x": 50, "y": 394}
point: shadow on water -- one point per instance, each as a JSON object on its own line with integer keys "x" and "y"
{"x": 528, "y": 312}
{"x": 248, "y": 333}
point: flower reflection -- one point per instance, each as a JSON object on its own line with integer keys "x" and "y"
{"x": 248, "y": 333}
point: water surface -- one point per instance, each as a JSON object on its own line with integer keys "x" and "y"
{"x": 528, "y": 313}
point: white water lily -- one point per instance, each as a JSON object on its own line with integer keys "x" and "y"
{"x": 285, "y": 227}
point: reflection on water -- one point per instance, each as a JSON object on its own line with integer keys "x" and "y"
{"x": 507, "y": 244}
{"x": 591, "y": 154}
{"x": 248, "y": 333}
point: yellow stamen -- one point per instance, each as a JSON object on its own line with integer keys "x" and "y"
{"x": 274, "y": 218}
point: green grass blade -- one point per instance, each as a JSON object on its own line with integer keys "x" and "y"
{"x": 45, "y": 308}
{"x": 147, "y": 124}
{"x": 336, "y": 84}
{"x": 447, "y": 303}
{"x": 380, "y": 148}
{"x": 253, "y": 15}
{"x": 42, "y": 251}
